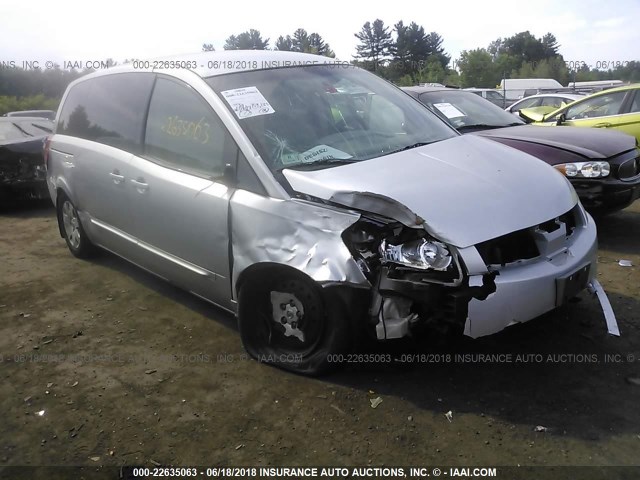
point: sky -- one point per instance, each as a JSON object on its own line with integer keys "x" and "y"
{"x": 588, "y": 31}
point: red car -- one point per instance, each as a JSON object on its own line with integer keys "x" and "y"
{"x": 603, "y": 166}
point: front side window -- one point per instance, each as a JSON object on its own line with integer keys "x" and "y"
{"x": 322, "y": 115}
{"x": 108, "y": 109}
{"x": 635, "y": 105}
{"x": 600, "y": 106}
{"x": 183, "y": 132}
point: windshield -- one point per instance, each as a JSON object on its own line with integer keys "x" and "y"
{"x": 466, "y": 111}
{"x": 322, "y": 115}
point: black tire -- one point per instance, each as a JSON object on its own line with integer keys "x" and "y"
{"x": 324, "y": 328}
{"x": 71, "y": 229}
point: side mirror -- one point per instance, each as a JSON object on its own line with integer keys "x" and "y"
{"x": 561, "y": 119}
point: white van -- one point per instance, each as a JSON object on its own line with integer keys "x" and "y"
{"x": 596, "y": 84}
{"x": 514, "y": 88}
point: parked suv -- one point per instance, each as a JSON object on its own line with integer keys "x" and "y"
{"x": 313, "y": 199}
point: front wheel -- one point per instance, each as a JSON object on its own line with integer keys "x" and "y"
{"x": 286, "y": 323}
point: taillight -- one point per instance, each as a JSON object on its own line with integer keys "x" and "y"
{"x": 45, "y": 152}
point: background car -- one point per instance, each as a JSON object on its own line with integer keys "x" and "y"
{"x": 491, "y": 95}
{"x": 548, "y": 101}
{"x": 603, "y": 167}
{"x": 22, "y": 169}
{"x": 617, "y": 108}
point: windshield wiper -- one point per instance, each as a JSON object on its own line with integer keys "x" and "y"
{"x": 482, "y": 126}
{"x": 41, "y": 127}
{"x": 22, "y": 130}
{"x": 325, "y": 161}
{"x": 409, "y": 147}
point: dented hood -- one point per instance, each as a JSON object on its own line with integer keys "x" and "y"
{"x": 463, "y": 191}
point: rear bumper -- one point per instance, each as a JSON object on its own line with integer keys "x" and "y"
{"x": 529, "y": 290}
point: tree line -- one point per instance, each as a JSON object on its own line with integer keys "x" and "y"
{"x": 299, "y": 41}
{"x": 525, "y": 56}
{"x": 33, "y": 89}
{"x": 405, "y": 54}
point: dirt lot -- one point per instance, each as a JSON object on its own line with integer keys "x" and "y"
{"x": 103, "y": 364}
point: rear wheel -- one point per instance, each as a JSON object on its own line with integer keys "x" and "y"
{"x": 71, "y": 229}
{"x": 287, "y": 324}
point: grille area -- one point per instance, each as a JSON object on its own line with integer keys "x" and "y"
{"x": 518, "y": 245}
{"x": 629, "y": 169}
{"x": 522, "y": 244}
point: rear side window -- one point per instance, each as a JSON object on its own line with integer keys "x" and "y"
{"x": 183, "y": 132}
{"x": 109, "y": 110}
{"x": 553, "y": 101}
{"x": 528, "y": 103}
{"x": 494, "y": 95}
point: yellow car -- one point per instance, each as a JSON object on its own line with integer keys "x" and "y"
{"x": 617, "y": 108}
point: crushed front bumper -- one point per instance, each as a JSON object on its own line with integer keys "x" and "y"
{"x": 528, "y": 290}
{"x": 508, "y": 280}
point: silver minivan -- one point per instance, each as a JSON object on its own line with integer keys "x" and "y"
{"x": 313, "y": 199}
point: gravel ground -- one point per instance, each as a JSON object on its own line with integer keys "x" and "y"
{"x": 103, "y": 364}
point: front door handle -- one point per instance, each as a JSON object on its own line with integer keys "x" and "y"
{"x": 141, "y": 185}
{"x": 117, "y": 178}
{"x": 603, "y": 125}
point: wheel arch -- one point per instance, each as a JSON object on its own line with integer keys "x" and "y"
{"x": 60, "y": 192}
{"x": 346, "y": 299}
{"x": 267, "y": 269}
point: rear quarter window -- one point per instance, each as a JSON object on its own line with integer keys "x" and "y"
{"x": 108, "y": 109}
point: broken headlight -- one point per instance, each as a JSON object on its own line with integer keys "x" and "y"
{"x": 584, "y": 169}
{"x": 424, "y": 254}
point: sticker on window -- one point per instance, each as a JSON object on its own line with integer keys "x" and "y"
{"x": 448, "y": 110}
{"x": 290, "y": 158}
{"x": 247, "y": 102}
{"x": 321, "y": 152}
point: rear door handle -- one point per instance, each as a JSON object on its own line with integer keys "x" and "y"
{"x": 603, "y": 125}
{"x": 141, "y": 185}
{"x": 117, "y": 178}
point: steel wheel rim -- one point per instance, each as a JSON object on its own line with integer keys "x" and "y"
{"x": 71, "y": 224}
{"x": 290, "y": 345}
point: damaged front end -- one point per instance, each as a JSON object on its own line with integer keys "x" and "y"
{"x": 22, "y": 166}
{"x": 420, "y": 284}
{"x": 22, "y": 170}
{"x": 417, "y": 281}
